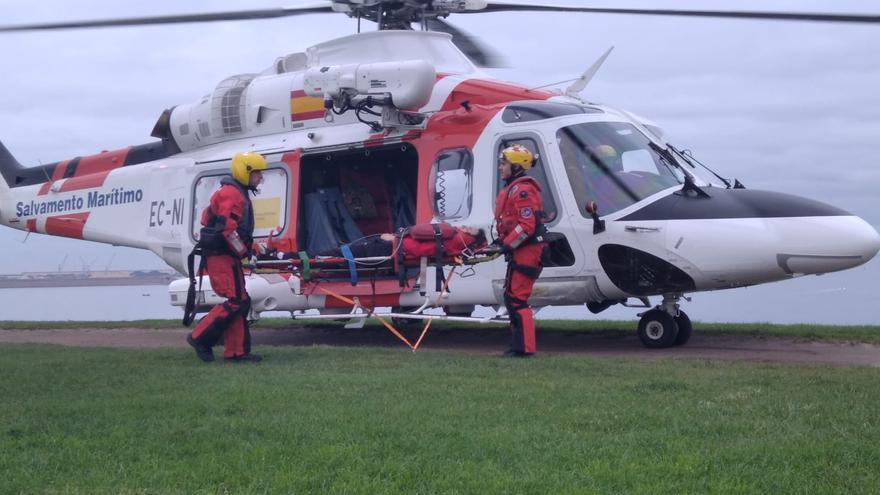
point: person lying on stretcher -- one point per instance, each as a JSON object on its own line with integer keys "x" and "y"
{"x": 417, "y": 241}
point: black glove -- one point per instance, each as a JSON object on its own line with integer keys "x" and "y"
{"x": 498, "y": 246}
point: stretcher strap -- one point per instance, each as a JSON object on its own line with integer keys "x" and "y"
{"x": 438, "y": 257}
{"x": 304, "y": 257}
{"x": 401, "y": 268}
{"x": 346, "y": 253}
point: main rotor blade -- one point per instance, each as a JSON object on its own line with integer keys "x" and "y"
{"x": 478, "y": 52}
{"x": 776, "y": 16}
{"x": 177, "y": 19}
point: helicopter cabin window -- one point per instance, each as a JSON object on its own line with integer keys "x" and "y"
{"x": 451, "y": 184}
{"x": 352, "y": 194}
{"x": 270, "y": 205}
{"x": 537, "y": 172}
{"x": 612, "y": 163}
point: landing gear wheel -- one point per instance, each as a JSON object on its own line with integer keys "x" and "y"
{"x": 685, "y": 328}
{"x": 657, "y": 329}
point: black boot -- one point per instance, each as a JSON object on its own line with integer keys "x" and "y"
{"x": 512, "y": 353}
{"x": 202, "y": 351}
{"x": 245, "y": 358}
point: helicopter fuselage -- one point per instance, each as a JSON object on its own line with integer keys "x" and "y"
{"x": 664, "y": 230}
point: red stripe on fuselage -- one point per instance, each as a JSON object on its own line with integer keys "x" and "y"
{"x": 85, "y": 182}
{"x": 297, "y": 117}
{"x": 481, "y": 92}
{"x": 32, "y": 224}
{"x": 93, "y": 170}
{"x": 67, "y": 225}
{"x": 455, "y": 126}
{"x": 57, "y": 174}
{"x": 288, "y": 242}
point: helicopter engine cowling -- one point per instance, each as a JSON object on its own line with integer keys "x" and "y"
{"x": 408, "y": 83}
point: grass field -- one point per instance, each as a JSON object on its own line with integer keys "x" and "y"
{"x": 863, "y": 333}
{"x": 338, "y": 420}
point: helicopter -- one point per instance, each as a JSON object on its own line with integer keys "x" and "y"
{"x": 632, "y": 248}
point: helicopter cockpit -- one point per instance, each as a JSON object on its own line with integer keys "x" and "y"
{"x": 613, "y": 164}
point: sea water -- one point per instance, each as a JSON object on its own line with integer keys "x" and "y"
{"x": 848, "y": 298}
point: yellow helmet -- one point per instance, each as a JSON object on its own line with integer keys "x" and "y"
{"x": 519, "y": 155}
{"x": 604, "y": 151}
{"x": 245, "y": 163}
{"x": 608, "y": 157}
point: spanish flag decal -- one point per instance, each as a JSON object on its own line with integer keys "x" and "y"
{"x": 304, "y": 107}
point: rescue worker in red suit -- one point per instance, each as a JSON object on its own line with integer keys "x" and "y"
{"x": 230, "y": 222}
{"x": 519, "y": 219}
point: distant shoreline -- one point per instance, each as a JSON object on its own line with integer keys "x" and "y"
{"x": 30, "y": 280}
{"x": 84, "y": 282}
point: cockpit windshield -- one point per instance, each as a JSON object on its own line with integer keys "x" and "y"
{"x": 613, "y": 164}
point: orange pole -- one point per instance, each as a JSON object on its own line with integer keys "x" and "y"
{"x": 428, "y": 324}
{"x": 387, "y": 325}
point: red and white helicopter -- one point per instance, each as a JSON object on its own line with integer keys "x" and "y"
{"x": 385, "y": 129}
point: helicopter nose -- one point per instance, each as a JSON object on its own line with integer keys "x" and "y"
{"x": 869, "y": 240}
{"x": 836, "y": 243}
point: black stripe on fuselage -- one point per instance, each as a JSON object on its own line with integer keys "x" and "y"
{"x": 149, "y": 152}
{"x": 71, "y": 167}
{"x": 733, "y": 203}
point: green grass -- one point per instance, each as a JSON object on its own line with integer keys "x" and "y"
{"x": 319, "y": 420}
{"x": 864, "y": 333}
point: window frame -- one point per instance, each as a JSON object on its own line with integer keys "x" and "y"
{"x": 548, "y": 187}
{"x": 196, "y": 210}
{"x": 432, "y": 182}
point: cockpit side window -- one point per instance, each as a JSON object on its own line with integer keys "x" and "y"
{"x": 537, "y": 172}
{"x": 451, "y": 184}
{"x": 612, "y": 164}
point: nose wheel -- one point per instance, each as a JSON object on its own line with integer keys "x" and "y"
{"x": 684, "y": 328}
{"x": 665, "y": 325}
{"x": 658, "y": 329}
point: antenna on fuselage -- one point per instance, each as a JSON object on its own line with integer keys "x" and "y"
{"x": 580, "y": 83}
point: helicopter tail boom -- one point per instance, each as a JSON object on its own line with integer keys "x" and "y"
{"x": 9, "y": 170}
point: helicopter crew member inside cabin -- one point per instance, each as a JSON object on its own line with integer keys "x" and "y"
{"x": 519, "y": 220}
{"x": 226, "y": 238}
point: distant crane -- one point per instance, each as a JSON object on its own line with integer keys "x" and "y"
{"x": 87, "y": 266}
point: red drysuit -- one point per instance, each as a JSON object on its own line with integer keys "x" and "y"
{"x": 518, "y": 217}
{"x": 230, "y": 211}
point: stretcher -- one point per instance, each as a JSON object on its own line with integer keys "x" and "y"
{"x": 314, "y": 269}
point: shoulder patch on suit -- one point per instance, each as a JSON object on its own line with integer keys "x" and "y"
{"x": 525, "y": 213}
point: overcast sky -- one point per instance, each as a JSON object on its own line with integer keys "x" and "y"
{"x": 785, "y": 106}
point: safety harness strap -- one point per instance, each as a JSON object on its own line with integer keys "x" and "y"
{"x": 438, "y": 258}
{"x": 346, "y": 253}
{"x": 304, "y": 258}
{"x": 401, "y": 257}
{"x": 189, "y": 310}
